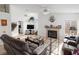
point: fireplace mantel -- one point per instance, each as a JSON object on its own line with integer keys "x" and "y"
{"x": 51, "y": 27}
{"x": 55, "y": 29}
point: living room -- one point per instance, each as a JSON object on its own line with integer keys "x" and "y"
{"x": 48, "y": 24}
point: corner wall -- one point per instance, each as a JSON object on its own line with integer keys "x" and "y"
{"x": 7, "y": 28}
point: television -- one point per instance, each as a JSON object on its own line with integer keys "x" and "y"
{"x": 30, "y": 26}
{"x": 52, "y": 34}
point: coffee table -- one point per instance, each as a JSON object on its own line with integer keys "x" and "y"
{"x": 31, "y": 37}
{"x": 23, "y": 37}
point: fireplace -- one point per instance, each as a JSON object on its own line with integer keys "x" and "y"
{"x": 52, "y": 34}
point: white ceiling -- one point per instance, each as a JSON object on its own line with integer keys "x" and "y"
{"x": 65, "y": 8}
{"x": 74, "y": 8}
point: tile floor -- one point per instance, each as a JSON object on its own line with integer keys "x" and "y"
{"x": 57, "y": 48}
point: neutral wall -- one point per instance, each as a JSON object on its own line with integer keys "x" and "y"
{"x": 70, "y": 13}
{"x": 18, "y": 13}
{"x": 60, "y": 19}
{"x": 7, "y": 28}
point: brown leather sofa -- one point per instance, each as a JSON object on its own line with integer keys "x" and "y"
{"x": 17, "y": 47}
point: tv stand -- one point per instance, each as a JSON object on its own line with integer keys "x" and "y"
{"x": 30, "y": 32}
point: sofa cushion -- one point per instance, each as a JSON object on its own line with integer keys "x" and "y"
{"x": 72, "y": 44}
{"x": 27, "y": 48}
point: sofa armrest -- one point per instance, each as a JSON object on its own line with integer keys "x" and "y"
{"x": 72, "y": 44}
{"x": 41, "y": 49}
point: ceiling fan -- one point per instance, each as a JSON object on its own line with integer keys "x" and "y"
{"x": 46, "y": 11}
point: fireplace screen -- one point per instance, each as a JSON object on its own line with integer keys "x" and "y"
{"x": 52, "y": 34}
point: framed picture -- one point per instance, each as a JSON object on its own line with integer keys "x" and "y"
{"x": 3, "y": 22}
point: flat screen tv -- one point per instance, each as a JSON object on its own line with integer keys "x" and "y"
{"x": 52, "y": 34}
{"x": 30, "y": 26}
